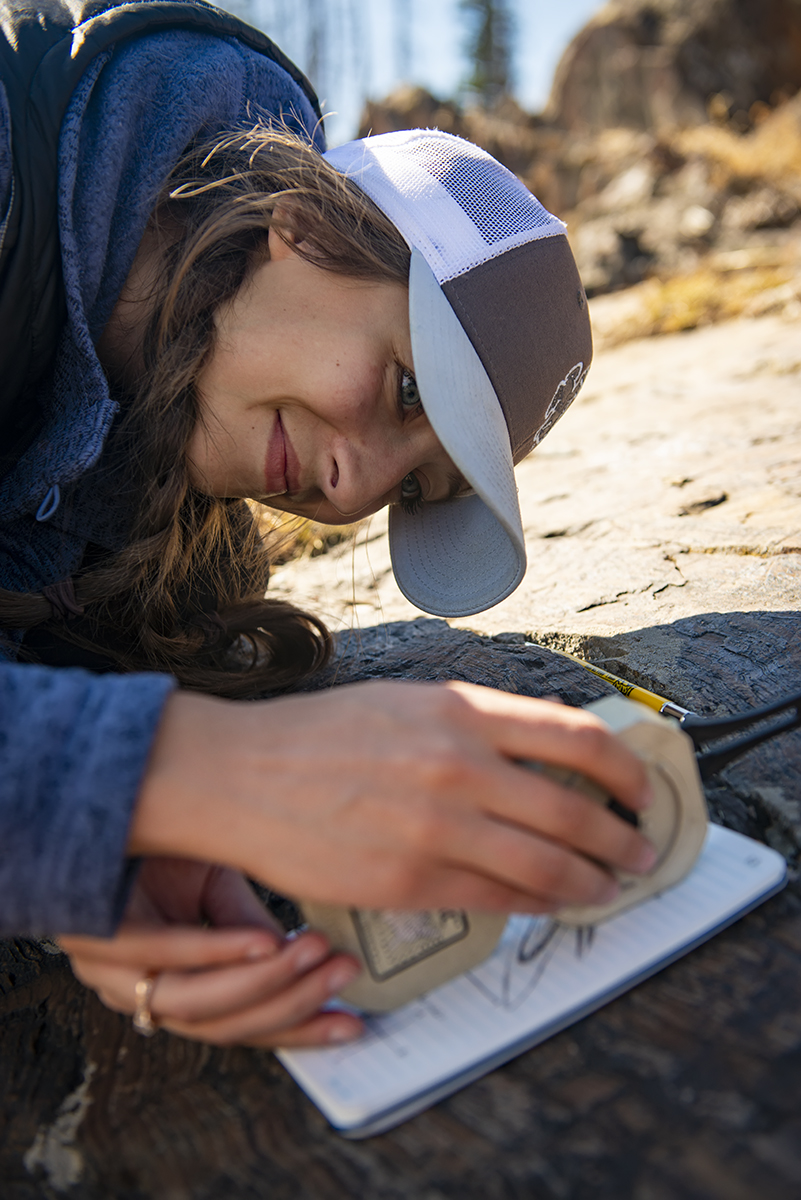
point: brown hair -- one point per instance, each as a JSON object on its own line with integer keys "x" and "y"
{"x": 186, "y": 595}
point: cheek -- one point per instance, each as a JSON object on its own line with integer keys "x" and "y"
{"x": 198, "y": 461}
{"x": 347, "y": 392}
{"x": 213, "y": 457}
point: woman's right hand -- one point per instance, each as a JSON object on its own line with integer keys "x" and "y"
{"x": 394, "y": 795}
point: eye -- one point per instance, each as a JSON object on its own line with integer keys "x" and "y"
{"x": 408, "y": 392}
{"x": 411, "y": 493}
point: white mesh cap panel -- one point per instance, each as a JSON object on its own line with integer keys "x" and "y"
{"x": 448, "y": 198}
{"x": 497, "y": 203}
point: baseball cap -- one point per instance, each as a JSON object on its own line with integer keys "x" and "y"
{"x": 501, "y": 345}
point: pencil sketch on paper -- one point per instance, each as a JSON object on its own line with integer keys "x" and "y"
{"x": 507, "y": 980}
{"x": 392, "y": 1029}
{"x": 517, "y": 967}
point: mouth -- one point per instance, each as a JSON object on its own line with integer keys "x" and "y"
{"x": 291, "y": 464}
{"x": 275, "y": 465}
{"x": 282, "y": 467}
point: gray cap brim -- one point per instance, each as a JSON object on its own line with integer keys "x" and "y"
{"x": 462, "y": 556}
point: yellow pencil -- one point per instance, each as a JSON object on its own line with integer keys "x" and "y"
{"x": 632, "y": 690}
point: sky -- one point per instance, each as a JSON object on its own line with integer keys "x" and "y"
{"x": 363, "y": 44}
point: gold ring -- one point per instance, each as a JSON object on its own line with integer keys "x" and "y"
{"x": 143, "y": 1018}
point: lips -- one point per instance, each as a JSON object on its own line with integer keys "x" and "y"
{"x": 275, "y": 465}
{"x": 292, "y": 465}
{"x": 281, "y": 467}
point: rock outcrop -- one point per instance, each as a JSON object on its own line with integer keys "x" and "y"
{"x": 639, "y": 203}
{"x": 666, "y": 63}
{"x": 671, "y": 489}
{"x": 671, "y": 132}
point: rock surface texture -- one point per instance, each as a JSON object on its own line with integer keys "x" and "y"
{"x": 671, "y": 488}
{"x": 685, "y": 1088}
{"x": 663, "y": 518}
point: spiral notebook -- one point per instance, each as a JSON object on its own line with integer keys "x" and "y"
{"x": 542, "y": 977}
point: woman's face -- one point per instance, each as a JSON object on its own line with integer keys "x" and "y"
{"x": 309, "y": 401}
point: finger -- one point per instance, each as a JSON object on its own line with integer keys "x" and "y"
{"x": 323, "y": 1029}
{"x": 176, "y": 946}
{"x": 294, "y": 1005}
{"x": 202, "y": 996}
{"x": 436, "y": 884}
{"x": 559, "y": 813}
{"x": 454, "y": 887}
{"x": 208, "y": 995}
{"x": 522, "y": 727}
{"x": 536, "y": 864}
{"x": 546, "y": 873}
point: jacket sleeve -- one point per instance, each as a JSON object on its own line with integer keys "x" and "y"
{"x": 73, "y": 750}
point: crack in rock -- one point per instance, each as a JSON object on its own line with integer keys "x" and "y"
{"x": 754, "y": 551}
{"x": 658, "y": 591}
{"x": 620, "y": 595}
{"x": 698, "y": 506}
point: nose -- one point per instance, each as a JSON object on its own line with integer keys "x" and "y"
{"x": 368, "y": 471}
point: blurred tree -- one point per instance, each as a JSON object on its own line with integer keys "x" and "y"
{"x": 403, "y": 39}
{"x": 489, "y": 48}
{"x": 317, "y": 44}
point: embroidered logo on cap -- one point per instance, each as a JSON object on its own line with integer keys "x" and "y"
{"x": 563, "y": 397}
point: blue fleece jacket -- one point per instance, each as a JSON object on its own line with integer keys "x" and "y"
{"x": 73, "y": 745}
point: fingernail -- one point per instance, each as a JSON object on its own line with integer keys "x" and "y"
{"x": 645, "y": 859}
{"x": 647, "y": 796}
{"x": 310, "y": 954}
{"x": 260, "y": 950}
{"x": 342, "y": 976}
{"x": 344, "y": 1034}
{"x": 610, "y": 892}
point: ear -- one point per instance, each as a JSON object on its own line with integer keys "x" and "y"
{"x": 280, "y": 245}
{"x": 286, "y": 233}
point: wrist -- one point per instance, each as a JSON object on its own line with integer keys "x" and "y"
{"x": 182, "y": 808}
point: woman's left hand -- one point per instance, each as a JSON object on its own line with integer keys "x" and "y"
{"x": 235, "y": 979}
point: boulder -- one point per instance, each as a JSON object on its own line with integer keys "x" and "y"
{"x": 410, "y": 107}
{"x": 648, "y": 204}
{"x": 682, "y": 1089}
{"x": 670, "y": 133}
{"x": 662, "y": 517}
{"x": 655, "y": 64}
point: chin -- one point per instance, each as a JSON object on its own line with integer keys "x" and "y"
{"x": 323, "y": 513}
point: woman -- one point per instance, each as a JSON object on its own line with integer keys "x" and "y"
{"x": 222, "y": 315}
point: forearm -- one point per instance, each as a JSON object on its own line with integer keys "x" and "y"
{"x": 392, "y": 795}
{"x": 73, "y": 749}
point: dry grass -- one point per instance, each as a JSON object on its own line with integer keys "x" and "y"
{"x": 705, "y": 296}
{"x": 771, "y": 153}
{"x": 290, "y": 537}
{"x": 748, "y": 282}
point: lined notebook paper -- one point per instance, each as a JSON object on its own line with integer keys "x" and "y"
{"x": 541, "y": 978}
